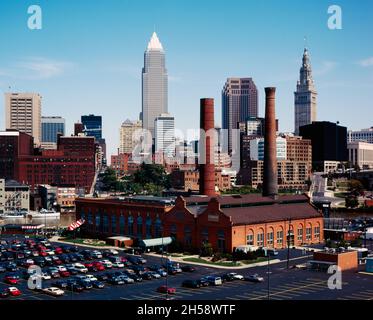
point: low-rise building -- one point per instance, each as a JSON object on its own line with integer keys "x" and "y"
{"x": 347, "y": 260}
{"x": 360, "y": 154}
{"x": 14, "y": 196}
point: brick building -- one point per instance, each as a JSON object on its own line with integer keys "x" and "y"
{"x": 224, "y": 221}
{"x": 73, "y": 163}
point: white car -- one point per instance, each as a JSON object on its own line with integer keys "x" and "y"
{"x": 107, "y": 263}
{"x": 80, "y": 267}
{"x": 50, "y": 252}
{"x": 53, "y": 291}
{"x": 113, "y": 252}
{"x": 96, "y": 254}
{"x": 237, "y": 276}
{"x": 46, "y": 276}
{"x": 118, "y": 264}
{"x": 61, "y": 268}
{"x": 91, "y": 277}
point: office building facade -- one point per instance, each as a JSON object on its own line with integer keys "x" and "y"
{"x": 364, "y": 135}
{"x": 154, "y": 84}
{"x": 50, "y": 127}
{"x": 128, "y": 140}
{"x": 164, "y": 134}
{"x": 23, "y": 113}
{"x": 92, "y": 126}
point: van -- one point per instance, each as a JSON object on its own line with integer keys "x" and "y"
{"x": 247, "y": 248}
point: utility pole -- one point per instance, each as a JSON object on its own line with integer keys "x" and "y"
{"x": 268, "y": 272}
{"x": 288, "y": 253}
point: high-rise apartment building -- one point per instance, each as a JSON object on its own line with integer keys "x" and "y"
{"x": 154, "y": 84}
{"x": 23, "y": 113}
{"x": 239, "y": 102}
{"x": 50, "y": 127}
{"x": 92, "y": 126}
{"x": 128, "y": 139}
{"x": 164, "y": 136}
{"x": 305, "y": 98}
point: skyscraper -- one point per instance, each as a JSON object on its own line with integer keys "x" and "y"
{"x": 23, "y": 113}
{"x": 239, "y": 102}
{"x": 154, "y": 84}
{"x": 92, "y": 126}
{"x": 305, "y": 103}
{"x": 50, "y": 127}
{"x": 164, "y": 127}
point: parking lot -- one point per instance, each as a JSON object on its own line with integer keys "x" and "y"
{"x": 284, "y": 284}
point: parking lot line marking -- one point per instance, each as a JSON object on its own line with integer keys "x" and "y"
{"x": 305, "y": 290}
{"x": 294, "y": 289}
{"x": 360, "y": 295}
{"x": 190, "y": 291}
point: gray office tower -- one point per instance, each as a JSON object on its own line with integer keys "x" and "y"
{"x": 239, "y": 102}
{"x": 154, "y": 84}
{"x": 50, "y": 127}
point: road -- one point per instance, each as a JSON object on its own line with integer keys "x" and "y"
{"x": 319, "y": 190}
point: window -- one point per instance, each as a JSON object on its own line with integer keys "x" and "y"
{"x": 250, "y": 239}
{"x": 188, "y": 235}
{"x": 205, "y": 235}
{"x": 113, "y": 224}
{"x": 221, "y": 240}
{"x": 82, "y": 215}
{"x": 280, "y": 237}
{"x": 300, "y": 234}
{"x": 260, "y": 239}
{"x": 148, "y": 227}
{"x": 173, "y": 231}
{"x": 308, "y": 233}
{"x": 317, "y": 232}
{"x": 139, "y": 227}
{"x": 98, "y": 221}
{"x": 270, "y": 238}
{"x": 158, "y": 228}
{"x": 122, "y": 224}
{"x": 105, "y": 223}
{"x": 130, "y": 225}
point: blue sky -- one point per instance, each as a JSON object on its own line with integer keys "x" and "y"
{"x": 89, "y": 54}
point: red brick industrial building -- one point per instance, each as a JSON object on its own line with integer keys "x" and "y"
{"x": 73, "y": 163}
{"x": 225, "y": 221}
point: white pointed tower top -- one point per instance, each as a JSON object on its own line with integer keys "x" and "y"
{"x": 154, "y": 43}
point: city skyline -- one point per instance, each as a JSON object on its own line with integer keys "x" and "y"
{"x": 83, "y": 77}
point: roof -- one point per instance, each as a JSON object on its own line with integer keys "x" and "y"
{"x": 246, "y": 199}
{"x": 271, "y": 213}
{"x": 154, "y": 43}
{"x": 119, "y": 238}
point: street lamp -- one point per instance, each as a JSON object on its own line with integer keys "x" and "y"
{"x": 288, "y": 253}
{"x": 268, "y": 273}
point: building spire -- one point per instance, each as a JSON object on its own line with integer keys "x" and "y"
{"x": 154, "y": 43}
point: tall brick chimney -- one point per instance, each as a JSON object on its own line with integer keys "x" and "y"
{"x": 207, "y": 169}
{"x": 270, "y": 178}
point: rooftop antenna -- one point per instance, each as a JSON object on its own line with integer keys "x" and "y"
{"x": 305, "y": 42}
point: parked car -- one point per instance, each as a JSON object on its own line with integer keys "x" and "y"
{"x": 165, "y": 289}
{"x": 11, "y": 279}
{"x": 135, "y": 277}
{"x": 98, "y": 284}
{"x": 203, "y": 282}
{"x": 4, "y": 293}
{"x": 86, "y": 284}
{"x": 81, "y": 268}
{"x": 154, "y": 274}
{"x": 191, "y": 284}
{"x": 102, "y": 277}
{"x": 91, "y": 277}
{"x": 254, "y": 278}
{"x": 53, "y": 291}
{"x": 14, "y": 292}
{"x": 188, "y": 268}
{"x": 116, "y": 281}
{"x": 215, "y": 281}
{"x": 106, "y": 263}
{"x": 227, "y": 277}
{"x": 60, "y": 284}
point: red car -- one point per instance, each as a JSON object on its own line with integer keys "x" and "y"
{"x": 89, "y": 265}
{"x": 58, "y": 250}
{"x": 13, "y": 291}
{"x": 99, "y": 266}
{"x": 165, "y": 289}
{"x": 11, "y": 279}
{"x": 64, "y": 274}
{"x": 43, "y": 253}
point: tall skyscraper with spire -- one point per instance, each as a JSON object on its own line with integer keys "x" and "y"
{"x": 305, "y": 96}
{"x": 154, "y": 84}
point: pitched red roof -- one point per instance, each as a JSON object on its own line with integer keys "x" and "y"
{"x": 271, "y": 213}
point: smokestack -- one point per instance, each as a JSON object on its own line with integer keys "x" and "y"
{"x": 207, "y": 169}
{"x": 270, "y": 177}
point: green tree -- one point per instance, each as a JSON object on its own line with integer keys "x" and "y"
{"x": 351, "y": 202}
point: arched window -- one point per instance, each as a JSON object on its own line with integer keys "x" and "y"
{"x": 158, "y": 228}
{"x": 260, "y": 238}
{"x": 270, "y": 237}
{"x": 280, "y": 236}
{"x": 188, "y": 236}
{"x": 122, "y": 223}
{"x": 309, "y": 232}
{"x": 317, "y": 231}
{"x": 300, "y": 233}
{"x": 113, "y": 223}
{"x": 250, "y": 238}
{"x": 221, "y": 240}
{"x": 149, "y": 223}
{"x": 130, "y": 225}
{"x": 139, "y": 227}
